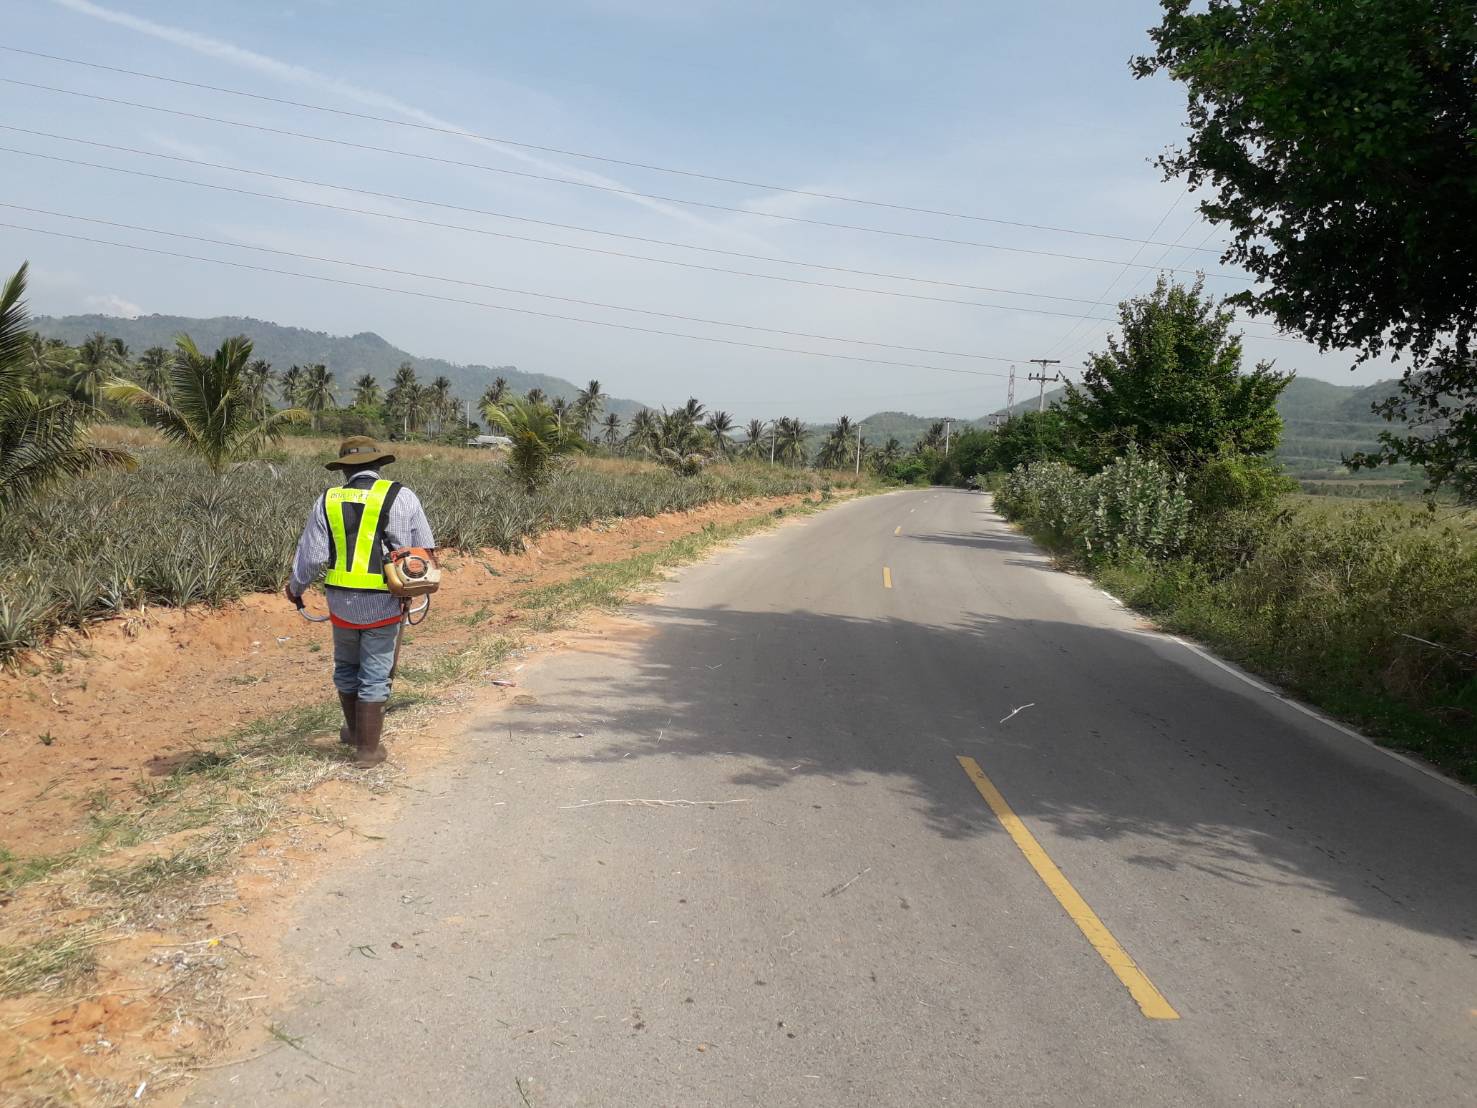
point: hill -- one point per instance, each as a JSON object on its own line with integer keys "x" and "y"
{"x": 1321, "y": 422}
{"x": 348, "y": 356}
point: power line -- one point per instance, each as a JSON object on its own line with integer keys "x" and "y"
{"x": 506, "y": 307}
{"x": 568, "y": 153}
{"x": 439, "y": 160}
{"x": 1071, "y": 334}
{"x": 480, "y": 285}
{"x": 550, "y": 223}
{"x": 516, "y": 238}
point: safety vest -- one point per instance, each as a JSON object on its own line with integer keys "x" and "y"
{"x": 357, "y": 518}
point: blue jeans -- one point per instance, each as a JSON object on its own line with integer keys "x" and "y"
{"x": 362, "y": 660}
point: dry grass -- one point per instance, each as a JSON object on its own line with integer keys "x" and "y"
{"x": 59, "y": 959}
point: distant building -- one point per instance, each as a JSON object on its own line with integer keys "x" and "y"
{"x": 490, "y": 441}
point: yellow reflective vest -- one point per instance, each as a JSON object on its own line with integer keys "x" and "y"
{"x": 357, "y": 518}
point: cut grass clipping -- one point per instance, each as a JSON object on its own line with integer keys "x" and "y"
{"x": 49, "y": 963}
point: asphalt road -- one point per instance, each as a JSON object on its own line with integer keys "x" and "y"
{"x": 845, "y": 919}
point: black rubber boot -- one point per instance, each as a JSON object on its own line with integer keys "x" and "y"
{"x": 349, "y": 702}
{"x": 370, "y": 722}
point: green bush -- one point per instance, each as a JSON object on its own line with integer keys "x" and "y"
{"x": 912, "y": 470}
{"x": 1134, "y": 508}
{"x": 1238, "y": 482}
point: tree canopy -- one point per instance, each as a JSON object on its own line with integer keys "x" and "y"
{"x": 42, "y": 439}
{"x": 1338, "y": 141}
{"x": 1172, "y": 384}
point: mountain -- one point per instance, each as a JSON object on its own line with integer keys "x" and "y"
{"x": 348, "y": 356}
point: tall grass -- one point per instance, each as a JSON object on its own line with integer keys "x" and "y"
{"x": 1367, "y": 609}
{"x": 171, "y": 534}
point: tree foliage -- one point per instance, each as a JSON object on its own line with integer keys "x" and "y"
{"x": 536, "y": 435}
{"x": 1339, "y": 143}
{"x": 42, "y": 438}
{"x": 209, "y": 409}
{"x": 1172, "y": 384}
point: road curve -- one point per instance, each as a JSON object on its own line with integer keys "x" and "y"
{"x": 918, "y": 753}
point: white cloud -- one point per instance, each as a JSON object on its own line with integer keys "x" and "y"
{"x": 301, "y": 75}
{"x": 112, "y": 304}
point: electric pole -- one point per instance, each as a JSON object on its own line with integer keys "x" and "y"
{"x": 1010, "y": 396}
{"x": 858, "y": 449}
{"x": 771, "y": 443}
{"x": 948, "y": 426}
{"x": 1043, "y": 378}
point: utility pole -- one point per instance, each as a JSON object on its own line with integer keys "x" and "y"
{"x": 1010, "y": 396}
{"x": 858, "y": 449}
{"x": 1043, "y": 378}
{"x": 771, "y": 443}
{"x": 948, "y": 426}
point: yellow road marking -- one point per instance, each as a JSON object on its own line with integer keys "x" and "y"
{"x": 886, "y": 578}
{"x": 1150, "y": 1001}
{"x": 898, "y": 530}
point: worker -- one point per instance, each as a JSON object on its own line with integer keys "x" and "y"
{"x": 350, "y": 530}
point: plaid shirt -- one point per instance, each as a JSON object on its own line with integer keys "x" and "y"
{"x": 407, "y": 526}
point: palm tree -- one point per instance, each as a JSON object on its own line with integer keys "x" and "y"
{"x": 406, "y": 398}
{"x": 41, "y": 440}
{"x": 257, "y": 380}
{"x": 679, "y": 443}
{"x": 98, "y": 358}
{"x": 495, "y": 394}
{"x": 720, "y": 425}
{"x": 644, "y": 430}
{"x": 366, "y": 391}
{"x": 589, "y": 402}
{"x": 209, "y": 411}
{"x": 933, "y": 438}
{"x": 838, "y": 450}
{"x": 611, "y": 430}
{"x": 790, "y": 441}
{"x": 152, "y": 368}
{"x": 317, "y": 392}
{"x": 536, "y": 395}
{"x": 756, "y": 446}
{"x": 560, "y": 408}
{"x": 45, "y": 357}
{"x": 536, "y": 436}
{"x": 440, "y": 404}
{"x": 693, "y": 410}
{"x": 890, "y": 452}
{"x": 290, "y": 387}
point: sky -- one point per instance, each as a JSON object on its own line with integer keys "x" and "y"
{"x": 1004, "y": 113}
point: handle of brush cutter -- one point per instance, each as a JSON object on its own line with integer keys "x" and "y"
{"x": 302, "y": 610}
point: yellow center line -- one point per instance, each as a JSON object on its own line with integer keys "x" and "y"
{"x": 898, "y": 530}
{"x": 1150, "y": 1001}
{"x": 886, "y": 578}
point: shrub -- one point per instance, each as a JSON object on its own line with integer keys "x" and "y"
{"x": 1238, "y": 482}
{"x": 912, "y": 470}
{"x": 1134, "y": 508}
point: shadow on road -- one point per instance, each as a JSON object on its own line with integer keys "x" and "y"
{"x": 1121, "y": 743}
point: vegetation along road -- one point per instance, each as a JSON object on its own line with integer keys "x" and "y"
{"x": 883, "y": 809}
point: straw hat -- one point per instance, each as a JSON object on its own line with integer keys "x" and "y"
{"x": 358, "y": 451}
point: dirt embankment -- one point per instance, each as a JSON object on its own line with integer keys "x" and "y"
{"x": 90, "y": 731}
